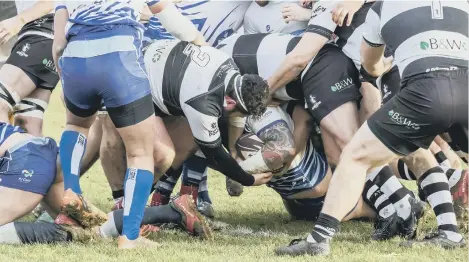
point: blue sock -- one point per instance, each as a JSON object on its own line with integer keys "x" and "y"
{"x": 203, "y": 189}
{"x": 72, "y": 149}
{"x": 137, "y": 188}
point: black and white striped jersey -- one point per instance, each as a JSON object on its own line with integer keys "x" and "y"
{"x": 424, "y": 35}
{"x": 188, "y": 80}
{"x": 348, "y": 38}
{"x": 262, "y": 54}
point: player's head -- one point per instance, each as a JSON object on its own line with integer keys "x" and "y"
{"x": 250, "y": 94}
{"x": 262, "y": 3}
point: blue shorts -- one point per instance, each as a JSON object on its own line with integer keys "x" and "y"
{"x": 30, "y": 165}
{"x": 105, "y": 64}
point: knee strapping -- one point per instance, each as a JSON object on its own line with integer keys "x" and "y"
{"x": 30, "y": 107}
{"x": 11, "y": 97}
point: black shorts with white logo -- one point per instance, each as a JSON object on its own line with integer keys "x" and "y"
{"x": 331, "y": 81}
{"x": 427, "y": 105}
{"x": 33, "y": 55}
{"x": 389, "y": 84}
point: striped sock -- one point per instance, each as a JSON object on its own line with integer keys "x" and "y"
{"x": 442, "y": 160}
{"x": 404, "y": 171}
{"x": 377, "y": 200}
{"x": 168, "y": 181}
{"x": 325, "y": 228}
{"x": 453, "y": 175}
{"x": 393, "y": 189}
{"x": 203, "y": 189}
{"x": 435, "y": 186}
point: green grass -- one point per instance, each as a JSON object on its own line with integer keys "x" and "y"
{"x": 258, "y": 216}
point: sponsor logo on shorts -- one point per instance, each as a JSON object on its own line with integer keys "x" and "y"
{"x": 40, "y": 21}
{"x": 401, "y": 120}
{"x": 314, "y": 102}
{"x": 27, "y": 175}
{"x": 49, "y": 64}
{"x": 443, "y": 44}
{"x": 24, "y": 50}
{"x": 214, "y": 131}
{"x": 318, "y": 10}
{"x": 386, "y": 91}
{"x": 451, "y": 68}
{"x": 342, "y": 85}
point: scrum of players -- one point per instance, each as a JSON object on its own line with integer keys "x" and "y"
{"x": 324, "y": 102}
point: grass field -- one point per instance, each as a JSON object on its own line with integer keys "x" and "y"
{"x": 259, "y": 224}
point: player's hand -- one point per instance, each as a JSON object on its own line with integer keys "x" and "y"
{"x": 306, "y": 3}
{"x": 9, "y": 28}
{"x": 261, "y": 179}
{"x": 387, "y": 61}
{"x": 294, "y": 12}
{"x": 346, "y": 8}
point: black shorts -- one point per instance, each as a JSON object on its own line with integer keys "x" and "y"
{"x": 389, "y": 84}
{"x": 331, "y": 81}
{"x": 427, "y": 105}
{"x": 33, "y": 55}
{"x": 459, "y": 138}
{"x": 304, "y": 209}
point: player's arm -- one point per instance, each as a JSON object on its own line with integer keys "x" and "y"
{"x": 319, "y": 31}
{"x": 235, "y": 130}
{"x": 372, "y": 47}
{"x": 11, "y": 26}
{"x": 60, "y": 40}
{"x": 175, "y": 23}
{"x": 347, "y": 9}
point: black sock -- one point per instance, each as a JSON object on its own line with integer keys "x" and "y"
{"x": 117, "y": 194}
{"x": 377, "y": 200}
{"x": 325, "y": 228}
{"x": 151, "y": 216}
{"x": 404, "y": 171}
{"x": 435, "y": 186}
{"x": 168, "y": 181}
{"x": 41, "y": 233}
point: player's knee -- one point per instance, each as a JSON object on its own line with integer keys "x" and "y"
{"x": 355, "y": 152}
{"x": 164, "y": 158}
{"x": 8, "y": 98}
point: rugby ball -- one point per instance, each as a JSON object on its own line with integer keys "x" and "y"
{"x": 248, "y": 145}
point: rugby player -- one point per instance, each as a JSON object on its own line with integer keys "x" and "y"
{"x": 410, "y": 120}
{"x": 92, "y": 42}
{"x": 216, "y": 20}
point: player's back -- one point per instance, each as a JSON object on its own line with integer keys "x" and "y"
{"x": 179, "y": 71}
{"x": 261, "y": 54}
{"x": 216, "y": 20}
{"x": 433, "y": 35}
{"x": 269, "y": 19}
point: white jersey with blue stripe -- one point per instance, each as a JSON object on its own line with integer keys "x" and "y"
{"x": 309, "y": 167}
{"x": 215, "y": 19}
{"x": 6, "y": 130}
{"x": 104, "y": 12}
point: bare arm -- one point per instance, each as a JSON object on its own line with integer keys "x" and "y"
{"x": 60, "y": 41}
{"x": 10, "y": 27}
{"x": 372, "y": 58}
{"x": 235, "y": 130}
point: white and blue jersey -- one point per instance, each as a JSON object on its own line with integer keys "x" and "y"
{"x": 104, "y": 12}
{"x": 6, "y": 130}
{"x": 216, "y": 20}
{"x": 309, "y": 167}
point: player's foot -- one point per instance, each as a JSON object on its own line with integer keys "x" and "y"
{"x": 408, "y": 227}
{"x": 386, "y": 228}
{"x": 159, "y": 199}
{"x": 192, "y": 220}
{"x": 206, "y": 209}
{"x": 124, "y": 243}
{"x": 460, "y": 197}
{"x": 299, "y": 247}
{"x": 86, "y": 214}
{"x": 234, "y": 188}
{"x": 118, "y": 204}
{"x": 439, "y": 239}
{"x": 146, "y": 230}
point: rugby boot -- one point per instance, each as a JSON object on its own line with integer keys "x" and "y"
{"x": 124, "y": 243}
{"x": 79, "y": 234}
{"x": 460, "y": 197}
{"x": 64, "y": 220}
{"x": 194, "y": 223}
{"x": 386, "y": 228}
{"x": 408, "y": 227}
{"x": 438, "y": 239}
{"x": 146, "y": 230}
{"x": 299, "y": 247}
{"x": 86, "y": 214}
{"x": 193, "y": 191}
{"x": 118, "y": 204}
{"x": 206, "y": 209}
{"x": 159, "y": 199}
{"x": 234, "y": 188}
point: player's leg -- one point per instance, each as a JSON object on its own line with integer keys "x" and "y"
{"x": 371, "y": 101}
{"x": 92, "y": 146}
{"x": 29, "y": 112}
{"x": 181, "y": 211}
